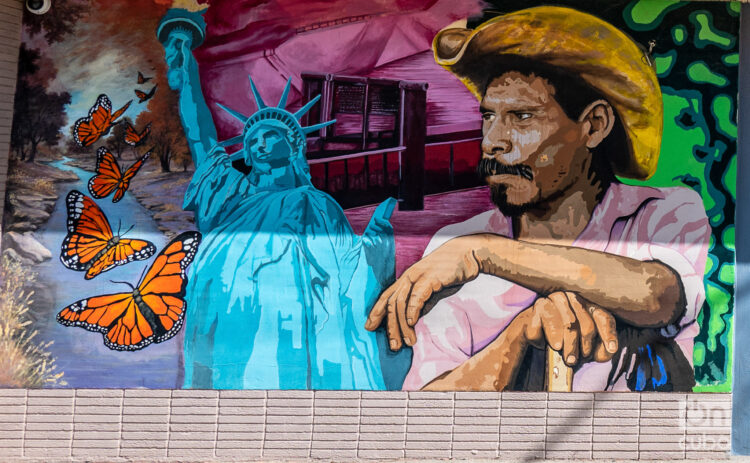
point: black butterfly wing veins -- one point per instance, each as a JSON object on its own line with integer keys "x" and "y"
{"x": 152, "y": 313}
{"x": 89, "y": 128}
{"x": 90, "y": 245}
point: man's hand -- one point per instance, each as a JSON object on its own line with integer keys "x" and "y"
{"x": 451, "y": 264}
{"x": 571, "y": 325}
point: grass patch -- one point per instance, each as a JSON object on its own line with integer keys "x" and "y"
{"x": 23, "y": 361}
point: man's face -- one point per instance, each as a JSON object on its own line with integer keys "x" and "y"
{"x": 531, "y": 151}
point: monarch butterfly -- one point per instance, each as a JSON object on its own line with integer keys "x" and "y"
{"x": 142, "y": 96}
{"x": 134, "y": 138}
{"x": 141, "y": 79}
{"x": 87, "y": 130}
{"x": 90, "y": 245}
{"x": 151, "y": 313}
{"x": 110, "y": 178}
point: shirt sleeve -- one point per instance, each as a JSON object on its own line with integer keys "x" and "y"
{"x": 675, "y": 231}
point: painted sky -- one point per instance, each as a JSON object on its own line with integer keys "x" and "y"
{"x": 104, "y": 54}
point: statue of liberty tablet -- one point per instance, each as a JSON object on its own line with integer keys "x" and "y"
{"x": 281, "y": 287}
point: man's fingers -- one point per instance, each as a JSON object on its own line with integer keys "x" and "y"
{"x": 551, "y": 322}
{"x": 420, "y": 293}
{"x": 601, "y": 354}
{"x": 606, "y": 326}
{"x": 407, "y": 332}
{"x": 378, "y": 311}
{"x": 534, "y": 330}
{"x": 394, "y": 334}
{"x": 585, "y": 324}
{"x": 569, "y": 327}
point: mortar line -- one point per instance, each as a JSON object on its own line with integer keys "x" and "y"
{"x": 453, "y": 421}
{"x": 169, "y": 421}
{"x": 591, "y": 433}
{"x": 546, "y": 424}
{"x": 25, "y": 421}
{"x": 638, "y": 434}
{"x": 406, "y": 421}
{"x": 684, "y": 429}
{"x": 312, "y": 426}
{"x": 122, "y": 410}
{"x": 359, "y": 421}
{"x": 216, "y": 422}
{"x": 265, "y": 424}
{"x": 499, "y": 422}
{"x": 73, "y": 423}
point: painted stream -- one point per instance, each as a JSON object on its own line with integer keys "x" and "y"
{"x": 81, "y": 354}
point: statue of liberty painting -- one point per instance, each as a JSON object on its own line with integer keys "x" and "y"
{"x": 281, "y": 287}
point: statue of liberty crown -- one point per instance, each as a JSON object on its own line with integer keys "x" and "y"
{"x": 275, "y": 115}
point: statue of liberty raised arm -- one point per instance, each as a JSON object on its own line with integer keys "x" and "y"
{"x": 281, "y": 287}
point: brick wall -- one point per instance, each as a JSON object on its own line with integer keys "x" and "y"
{"x": 10, "y": 41}
{"x": 208, "y": 425}
{"x": 180, "y": 425}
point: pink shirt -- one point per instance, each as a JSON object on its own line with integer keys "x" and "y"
{"x": 664, "y": 224}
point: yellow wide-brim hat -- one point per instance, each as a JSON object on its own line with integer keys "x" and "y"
{"x": 600, "y": 54}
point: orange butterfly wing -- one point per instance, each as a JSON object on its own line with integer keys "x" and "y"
{"x": 143, "y": 79}
{"x": 108, "y": 175}
{"x": 163, "y": 287}
{"x": 131, "y": 136}
{"x": 90, "y": 245}
{"x": 115, "y": 315}
{"x": 87, "y": 130}
{"x": 127, "y": 176}
{"x": 119, "y": 112}
{"x": 141, "y": 95}
{"x": 153, "y": 313}
{"x": 134, "y": 138}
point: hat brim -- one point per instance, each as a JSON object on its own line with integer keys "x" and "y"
{"x": 600, "y": 54}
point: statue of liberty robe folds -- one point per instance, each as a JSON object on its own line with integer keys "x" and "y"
{"x": 281, "y": 287}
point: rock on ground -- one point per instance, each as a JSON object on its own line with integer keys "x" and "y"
{"x": 26, "y": 246}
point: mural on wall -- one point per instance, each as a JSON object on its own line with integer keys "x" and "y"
{"x": 372, "y": 195}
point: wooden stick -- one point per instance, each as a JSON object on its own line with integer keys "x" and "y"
{"x": 559, "y": 376}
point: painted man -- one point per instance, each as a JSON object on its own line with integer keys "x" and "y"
{"x": 609, "y": 275}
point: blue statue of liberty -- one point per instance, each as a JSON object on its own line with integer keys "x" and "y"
{"x": 281, "y": 286}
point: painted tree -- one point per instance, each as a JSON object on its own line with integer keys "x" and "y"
{"x": 58, "y": 22}
{"x": 38, "y": 114}
{"x": 167, "y": 134}
{"x": 116, "y": 140}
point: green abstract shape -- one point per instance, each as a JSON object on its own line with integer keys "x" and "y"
{"x": 685, "y": 156}
{"x": 729, "y": 179}
{"x": 718, "y": 300}
{"x": 722, "y": 108}
{"x": 706, "y": 34}
{"x": 699, "y": 354}
{"x": 725, "y": 384}
{"x": 726, "y": 274}
{"x": 700, "y": 73}
{"x": 732, "y": 59}
{"x": 712, "y": 263}
{"x": 727, "y": 238}
{"x": 734, "y": 8}
{"x": 679, "y": 34}
{"x": 665, "y": 62}
{"x": 645, "y": 15}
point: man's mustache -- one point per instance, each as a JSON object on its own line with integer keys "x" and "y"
{"x": 490, "y": 166}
